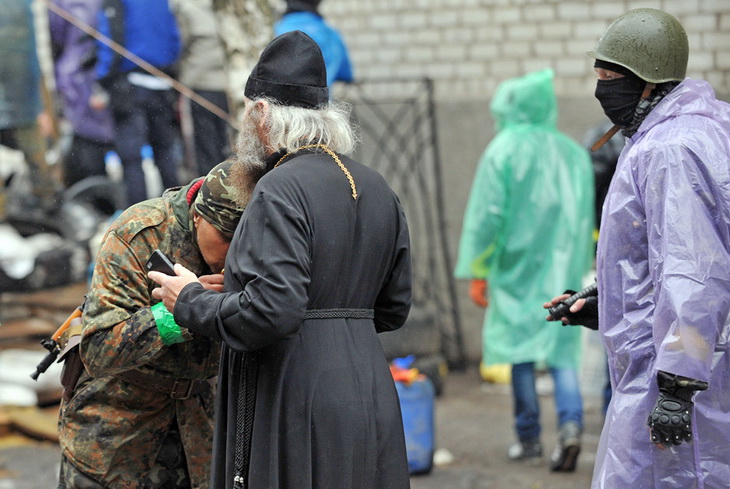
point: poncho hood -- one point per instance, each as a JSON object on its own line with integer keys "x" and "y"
{"x": 529, "y": 99}
{"x": 688, "y": 98}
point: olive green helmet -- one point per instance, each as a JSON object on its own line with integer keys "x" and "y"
{"x": 649, "y": 42}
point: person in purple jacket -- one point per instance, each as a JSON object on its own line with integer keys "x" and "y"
{"x": 663, "y": 264}
{"x": 74, "y": 54}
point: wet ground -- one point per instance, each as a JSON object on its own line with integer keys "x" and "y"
{"x": 473, "y": 425}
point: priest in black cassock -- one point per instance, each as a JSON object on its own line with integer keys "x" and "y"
{"x": 319, "y": 264}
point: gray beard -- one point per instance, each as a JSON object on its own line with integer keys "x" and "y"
{"x": 251, "y": 158}
{"x": 250, "y": 149}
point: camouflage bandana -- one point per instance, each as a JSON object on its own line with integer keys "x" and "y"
{"x": 216, "y": 199}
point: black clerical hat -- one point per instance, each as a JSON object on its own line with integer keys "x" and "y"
{"x": 290, "y": 71}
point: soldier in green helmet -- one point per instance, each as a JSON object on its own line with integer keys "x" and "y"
{"x": 141, "y": 415}
{"x": 663, "y": 263}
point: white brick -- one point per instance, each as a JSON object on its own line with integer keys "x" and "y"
{"x": 607, "y": 11}
{"x": 701, "y": 61}
{"x": 715, "y": 79}
{"x": 444, "y": 18}
{"x": 657, "y": 4}
{"x": 490, "y": 34}
{"x": 702, "y": 23}
{"x": 388, "y": 56}
{"x": 506, "y": 15}
{"x": 365, "y": 39}
{"x": 482, "y": 51}
{"x": 539, "y": 13}
{"x": 458, "y": 35}
{"x": 383, "y": 22}
{"x": 681, "y": 8}
{"x": 429, "y": 37}
{"x": 375, "y": 71}
{"x": 408, "y": 70}
{"x": 579, "y": 48}
{"x": 549, "y": 48}
{"x": 471, "y": 70}
{"x": 695, "y": 41}
{"x": 555, "y": 30}
{"x": 574, "y": 11}
{"x": 419, "y": 53}
{"x": 397, "y": 38}
{"x": 382, "y": 34}
{"x": 534, "y": 64}
{"x": 716, "y": 7}
{"x": 505, "y": 68}
{"x": 722, "y": 60}
{"x": 589, "y": 30}
{"x": 572, "y": 67}
{"x": 412, "y": 20}
{"x": 350, "y": 25}
{"x": 451, "y": 52}
{"x": 515, "y": 49}
{"x": 712, "y": 41}
{"x": 474, "y": 16}
{"x": 521, "y": 32}
{"x": 440, "y": 70}
{"x": 724, "y": 21}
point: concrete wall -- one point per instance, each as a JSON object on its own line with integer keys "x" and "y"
{"x": 469, "y": 46}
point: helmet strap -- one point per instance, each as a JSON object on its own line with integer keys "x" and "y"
{"x": 614, "y": 129}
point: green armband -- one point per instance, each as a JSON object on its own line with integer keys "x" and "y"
{"x": 166, "y": 325}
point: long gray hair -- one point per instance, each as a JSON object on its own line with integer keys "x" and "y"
{"x": 290, "y": 128}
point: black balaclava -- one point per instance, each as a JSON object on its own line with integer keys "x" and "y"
{"x": 619, "y": 97}
{"x": 290, "y": 71}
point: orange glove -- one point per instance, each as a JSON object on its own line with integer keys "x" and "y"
{"x": 478, "y": 290}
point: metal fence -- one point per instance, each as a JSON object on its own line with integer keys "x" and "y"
{"x": 399, "y": 139}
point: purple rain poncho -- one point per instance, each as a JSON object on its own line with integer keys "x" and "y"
{"x": 664, "y": 291}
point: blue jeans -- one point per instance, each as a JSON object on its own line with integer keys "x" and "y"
{"x": 568, "y": 400}
{"x": 148, "y": 116}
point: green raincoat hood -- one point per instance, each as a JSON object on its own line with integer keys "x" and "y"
{"x": 529, "y": 99}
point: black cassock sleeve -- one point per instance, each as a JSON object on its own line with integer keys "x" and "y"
{"x": 267, "y": 276}
{"x": 394, "y": 300}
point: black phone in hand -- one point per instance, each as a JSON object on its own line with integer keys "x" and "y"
{"x": 158, "y": 262}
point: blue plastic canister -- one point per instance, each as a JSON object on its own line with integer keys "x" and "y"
{"x": 417, "y": 409}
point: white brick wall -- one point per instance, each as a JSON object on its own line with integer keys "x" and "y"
{"x": 460, "y": 42}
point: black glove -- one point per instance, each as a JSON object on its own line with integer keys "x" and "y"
{"x": 671, "y": 420}
{"x": 588, "y": 314}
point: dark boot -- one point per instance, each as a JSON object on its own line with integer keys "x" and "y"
{"x": 565, "y": 456}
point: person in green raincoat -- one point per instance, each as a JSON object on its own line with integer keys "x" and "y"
{"x": 527, "y": 233}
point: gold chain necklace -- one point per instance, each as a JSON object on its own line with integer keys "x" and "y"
{"x": 334, "y": 157}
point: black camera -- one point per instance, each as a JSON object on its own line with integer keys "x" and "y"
{"x": 562, "y": 308}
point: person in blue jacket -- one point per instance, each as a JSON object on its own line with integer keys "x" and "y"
{"x": 142, "y": 104}
{"x": 302, "y": 15}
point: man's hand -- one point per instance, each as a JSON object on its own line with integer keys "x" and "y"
{"x": 576, "y": 307}
{"x": 583, "y": 312}
{"x": 478, "y": 291}
{"x": 212, "y": 282}
{"x": 170, "y": 287}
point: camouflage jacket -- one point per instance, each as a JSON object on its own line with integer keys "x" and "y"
{"x": 111, "y": 429}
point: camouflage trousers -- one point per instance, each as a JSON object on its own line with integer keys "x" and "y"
{"x": 168, "y": 472}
